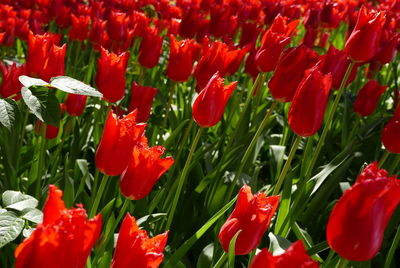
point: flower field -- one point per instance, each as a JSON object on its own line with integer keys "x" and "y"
{"x": 199, "y": 133}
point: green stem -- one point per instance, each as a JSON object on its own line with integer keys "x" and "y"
{"x": 249, "y": 149}
{"x": 89, "y": 72}
{"x": 384, "y": 158}
{"x": 318, "y": 248}
{"x": 342, "y": 263}
{"x": 395, "y": 164}
{"x": 221, "y": 260}
{"x": 286, "y": 166}
{"x": 110, "y": 235}
{"x": 41, "y": 161}
{"x": 182, "y": 178}
{"x": 99, "y": 194}
{"x": 169, "y": 102}
{"x": 259, "y": 80}
{"x": 257, "y": 83}
{"x": 329, "y": 121}
{"x": 393, "y": 247}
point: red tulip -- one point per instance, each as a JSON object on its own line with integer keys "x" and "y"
{"x": 80, "y": 28}
{"x": 252, "y": 215}
{"x": 294, "y": 257}
{"x": 110, "y": 77}
{"x": 249, "y": 33}
{"x": 388, "y": 49}
{"x": 216, "y": 57}
{"x": 150, "y": 48}
{"x": 144, "y": 169}
{"x": 63, "y": 233}
{"x": 364, "y": 41}
{"x": 250, "y": 64}
{"x": 98, "y": 35}
{"x": 142, "y": 99}
{"x": 45, "y": 59}
{"x": 209, "y": 106}
{"x": 293, "y": 64}
{"x": 273, "y": 42}
{"x": 390, "y": 134}
{"x": 357, "y": 223}
{"x": 368, "y": 98}
{"x": 234, "y": 59}
{"x": 115, "y": 148}
{"x": 181, "y": 57}
{"x": 223, "y": 22}
{"x": 55, "y": 62}
{"x": 309, "y": 103}
{"x": 75, "y": 104}
{"x": 118, "y": 26}
{"x": 10, "y": 84}
{"x": 336, "y": 63}
{"x": 135, "y": 249}
{"x": 191, "y": 23}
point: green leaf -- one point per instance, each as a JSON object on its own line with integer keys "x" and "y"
{"x": 30, "y": 81}
{"x": 8, "y": 109}
{"x": 32, "y": 102}
{"x": 10, "y": 227}
{"x": 206, "y": 256}
{"x": 33, "y": 215}
{"x": 277, "y": 244}
{"x": 326, "y": 171}
{"x": 43, "y": 103}
{"x": 231, "y": 251}
{"x": 151, "y": 217}
{"x": 182, "y": 250}
{"x": 52, "y": 108}
{"x": 27, "y": 232}
{"x": 71, "y": 85}
{"x": 18, "y": 201}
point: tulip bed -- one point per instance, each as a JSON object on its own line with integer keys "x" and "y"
{"x": 208, "y": 133}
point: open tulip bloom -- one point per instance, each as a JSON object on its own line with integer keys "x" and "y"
{"x": 358, "y": 221}
{"x": 176, "y": 112}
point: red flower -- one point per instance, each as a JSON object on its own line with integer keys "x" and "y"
{"x": 390, "y": 134}
{"x": 118, "y": 26}
{"x": 115, "y": 148}
{"x": 293, "y": 64}
{"x": 55, "y": 62}
{"x": 110, "y": 77}
{"x": 80, "y": 28}
{"x": 10, "y": 84}
{"x": 368, "y": 98}
{"x": 150, "y": 48}
{"x": 75, "y": 104}
{"x": 364, "y": 41}
{"x": 250, "y": 63}
{"x": 249, "y": 33}
{"x": 144, "y": 169}
{"x": 181, "y": 57}
{"x": 335, "y": 62}
{"x": 295, "y": 256}
{"x": 209, "y": 106}
{"x": 135, "y": 249}
{"x": 388, "y": 49}
{"x": 44, "y": 58}
{"x": 98, "y": 35}
{"x": 252, "y": 215}
{"x": 273, "y": 42}
{"x": 357, "y": 223}
{"x": 65, "y": 238}
{"x": 142, "y": 99}
{"x": 216, "y": 57}
{"x": 309, "y": 103}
